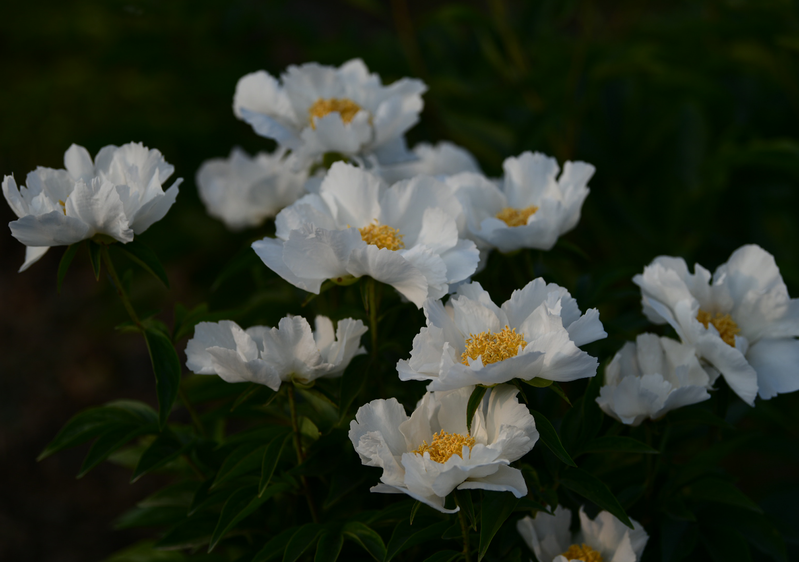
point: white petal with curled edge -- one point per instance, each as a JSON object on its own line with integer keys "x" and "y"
{"x": 291, "y": 350}
{"x": 155, "y": 209}
{"x": 14, "y": 197}
{"x": 79, "y": 163}
{"x": 431, "y": 266}
{"x": 390, "y": 268}
{"x": 32, "y": 255}
{"x": 98, "y": 206}
{"x": 271, "y": 253}
{"x": 352, "y": 194}
{"x": 505, "y": 411}
{"x": 384, "y": 417}
{"x": 505, "y": 479}
{"x": 50, "y": 229}
{"x": 461, "y": 261}
{"x": 528, "y": 178}
{"x": 316, "y": 254}
{"x": 777, "y": 364}
{"x": 612, "y": 537}
{"x": 346, "y": 345}
{"x": 547, "y": 535}
{"x": 206, "y": 335}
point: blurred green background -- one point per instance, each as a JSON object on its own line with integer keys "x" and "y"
{"x": 688, "y": 109}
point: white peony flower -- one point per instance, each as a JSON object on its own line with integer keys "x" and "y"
{"x": 118, "y": 195}
{"x": 405, "y": 236}
{"x": 531, "y": 209}
{"x": 431, "y": 453}
{"x": 650, "y": 377}
{"x": 290, "y": 352}
{"x": 443, "y": 159}
{"x": 244, "y": 191}
{"x": 602, "y": 539}
{"x": 741, "y": 321}
{"x": 473, "y": 341}
{"x": 316, "y": 109}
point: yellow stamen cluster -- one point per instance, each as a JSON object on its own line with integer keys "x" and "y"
{"x": 345, "y": 107}
{"x": 516, "y": 217}
{"x": 445, "y": 445}
{"x": 724, "y": 324}
{"x": 382, "y": 236}
{"x": 493, "y": 347}
{"x": 582, "y": 552}
{"x": 63, "y": 206}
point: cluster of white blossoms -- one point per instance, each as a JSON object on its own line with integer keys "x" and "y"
{"x": 117, "y": 195}
{"x": 604, "y": 539}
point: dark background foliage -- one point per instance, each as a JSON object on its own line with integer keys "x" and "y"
{"x": 689, "y": 110}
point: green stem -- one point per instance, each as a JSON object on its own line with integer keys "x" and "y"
{"x": 300, "y": 452}
{"x": 118, "y": 286}
{"x": 373, "y": 303}
{"x": 464, "y": 532}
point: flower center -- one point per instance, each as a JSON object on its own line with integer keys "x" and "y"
{"x": 724, "y": 324}
{"x": 345, "y": 107}
{"x": 445, "y": 445}
{"x": 382, "y": 236}
{"x": 493, "y": 347}
{"x": 516, "y": 217}
{"x": 582, "y": 552}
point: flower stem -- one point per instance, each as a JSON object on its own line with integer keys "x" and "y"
{"x": 372, "y": 305}
{"x": 300, "y": 452}
{"x": 119, "y": 287}
{"x": 465, "y": 533}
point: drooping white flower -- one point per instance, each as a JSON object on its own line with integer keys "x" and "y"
{"x": 316, "y": 109}
{"x": 604, "y": 538}
{"x": 290, "y": 352}
{"x": 118, "y": 195}
{"x": 652, "y": 376}
{"x": 405, "y": 235}
{"x": 431, "y": 453}
{"x": 244, "y": 191}
{"x": 741, "y": 321}
{"x": 531, "y": 209}
{"x": 471, "y": 340}
{"x": 443, "y": 159}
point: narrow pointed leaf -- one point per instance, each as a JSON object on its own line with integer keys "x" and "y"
{"x": 369, "y": 540}
{"x": 406, "y": 536}
{"x": 497, "y": 507}
{"x": 164, "y": 449}
{"x": 241, "y": 504}
{"x": 166, "y": 365}
{"x": 269, "y": 460}
{"x": 475, "y": 398}
{"x": 301, "y": 541}
{"x": 719, "y": 491}
{"x": 593, "y": 489}
{"x": 94, "y": 257}
{"x": 414, "y": 509}
{"x": 276, "y": 546}
{"x": 106, "y": 444}
{"x": 63, "y": 265}
{"x": 555, "y": 387}
{"x": 329, "y": 546}
{"x": 444, "y": 556}
{"x": 242, "y": 460}
{"x": 145, "y": 257}
{"x": 550, "y": 438}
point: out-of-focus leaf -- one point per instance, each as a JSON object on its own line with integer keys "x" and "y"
{"x": 444, "y": 556}
{"x": 324, "y": 412}
{"x": 725, "y": 545}
{"x": 276, "y": 546}
{"x": 63, "y": 265}
{"x": 475, "y": 398}
{"x": 369, "y": 540}
{"x": 464, "y": 500}
{"x": 352, "y": 382}
{"x": 94, "y": 257}
{"x": 242, "y": 460}
{"x": 719, "y": 491}
{"x": 145, "y": 257}
{"x": 537, "y": 382}
{"x": 193, "y": 532}
{"x": 550, "y": 437}
{"x": 150, "y": 517}
{"x": 496, "y": 508}
{"x": 106, "y": 444}
{"x": 555, "y": 387}
{"x": 269, "y": 460}
{"x": 593, "y": 489}
{"x": 406, "y": 536}
{"x": 754, "y": 527}
{"x": 166, "y": 365}
{"x": 302, "y": 540}
{"x": 697, "y": 416}
{"x": 329, "y": 546}
{"x": 164, "y": 449}
{"x": 241, "y": 504}
{"x": 616, "y": 444}
{"x": 145, "y": 551}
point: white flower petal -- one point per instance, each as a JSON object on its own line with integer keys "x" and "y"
{"x": 32, "y": 255}
{"x": 79, "y": 163}
{"x": 390, "y": 268}
{"x": 777, "y": 364}
{"x": 547, "y": 535}
{"x": 505, "y": 479}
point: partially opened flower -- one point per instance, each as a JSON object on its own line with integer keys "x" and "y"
{"x": 431, "y": 453}
{"x": 244, "y": 191}
{"x": 406, "y": 236}
{"x": 532, "y": 208}
{"x": 316, "y": 109}
{"x": 443, "y": 159}
{"x": 290, "y": 352}
{"x": 118, "y": 195}
{"x": 471, "y": 340}
{"x": 604, "y": 539}
{"x": 652, "y": 376}
{"x": 741, "y": 321}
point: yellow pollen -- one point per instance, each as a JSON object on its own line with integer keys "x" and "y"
{"x": 63, "y": 206}
{"x": 724, "y": 324}
{"x": 344, "y": 107}
{"x": 582, "y": 552}
{"x": 516, "y": 217}
{"x": 382, "y": 236}
{"x": 493, "y": 347}
{"x": 445, "y": 445}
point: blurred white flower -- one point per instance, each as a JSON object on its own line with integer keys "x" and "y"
{"x": 118, "y": 195}
{"x": 742, "y": 321}
{"x": 650, "y": 377}
{"x": 431, "y": 453}
{"x": 244, "y": 191}
{"x": 405, "y": 236}
{"x": 290, "y": 352}
{"x": 443, "y": 159}
{"x": 316, "y": 109}
{"x": 531, "y": 209}
{"x": 473, "y": 341}
{"x": 602, "y": 539}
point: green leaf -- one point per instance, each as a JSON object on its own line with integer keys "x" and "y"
{"x": 191, "y": 533}
{"x": 94, "y": 257}
{"x": 166, "y": 365}
{"x": 724, "y": 545}
{"x": 329, "y": 546}
{"x": 444, "y": 556}
{"x": 537, "y": 382}
{"x": 301, "y": 541}
{"x": 414, "y": 509}
{"x": 269, "y": 461}
{"x": 241, "y": 504}
{"x": 150, "y": 517}
{"x": 325, "y": 414}
{"x": 145, "y": 257}
{"x": 719, "y": 491}
{"x": 242, "y": 460}
{"x": 106, "y": 444}
{"x": 164, "y": 449}
{"x": 369, "y": 540}
{"x": 406, "y": 536}
{"x": 463, "y": 498}
{"x": 145, "y": 551}
{"x": 593, "y": 489}
{"x": 555, "y": 387}
{"x": 592, "y": 414}
{"x": 616, "y": 444}
{"x": 475, "y": 398}
{"x": 550, "y": 437}
{"x": 497, "y": 507}
{"x": 254, "y": 390}
{"x": 275, "y": 546}
{"x": 63, "y": 265}
{"x": 352, "y": 382}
